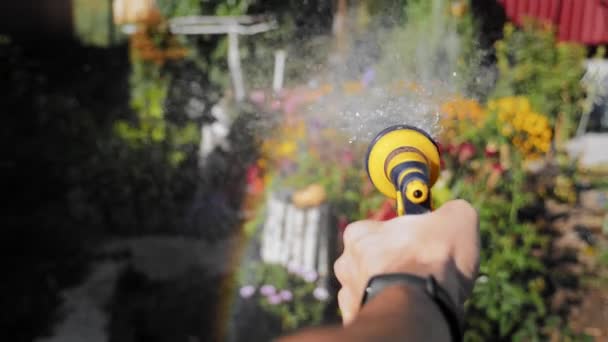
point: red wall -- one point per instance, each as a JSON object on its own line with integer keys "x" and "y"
{"x": 583, "y": 21}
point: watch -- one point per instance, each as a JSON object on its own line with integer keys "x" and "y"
{"x": 429, "y": 286}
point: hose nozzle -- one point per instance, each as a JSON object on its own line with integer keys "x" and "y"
{"x": 403, "y": 163}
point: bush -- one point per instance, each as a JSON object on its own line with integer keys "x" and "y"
{"x": 532, "y": 63}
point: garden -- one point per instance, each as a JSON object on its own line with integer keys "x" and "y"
{"x": 503, "y": 149}
{"x": 176, "y": 212}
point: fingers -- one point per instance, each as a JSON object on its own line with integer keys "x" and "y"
{"x": 464, "y": 222}
{"x": 461, "y": 213}
{"x": 342, "y": 269}
{"x": 356, "y": 230}
{"x": 346, "y": 302}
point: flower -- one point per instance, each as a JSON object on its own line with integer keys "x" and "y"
{"x": 491, "y": 150}
{"x": 482, "y": 279}
{"x": 275, "y": 105}
{"x": 342, "y": 223}
{"x": 267, "y": 290}
{"x": 452, "y": 149}
{"x": 275, "y": 299}
{"x": 466, "y": 152}
{"x": 529, "y": 131}
{"x": 309, "y": 276}
{"x": 459, "y": 115}
{"x": 497, "y": 167}
{"x": 321, "y": 294}
{"x": 247, "y": 291}
{"x": 257, "y": 96}
{"x": 286, "y": 295}
{"x": 347, "y": 157}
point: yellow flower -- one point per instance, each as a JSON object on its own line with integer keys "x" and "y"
{"x": 459, "y": 115}
{"x": 530, "y": 131}
{"x": 286, "y": 148}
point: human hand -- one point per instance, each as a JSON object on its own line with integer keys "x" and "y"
{"x": 443, "y": 243}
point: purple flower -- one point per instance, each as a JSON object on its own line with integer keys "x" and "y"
{"x": 267, "y": 290}
{"x": 368, "y": 76}
{"x": 309, "y": 276}
{"x": 286, "y": 295}
{"x": 321, "y": 294}
{"x": 275, "y": 299}
{"x": 247, "y": 291}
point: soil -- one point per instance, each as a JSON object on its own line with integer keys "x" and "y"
{"x": 580, "y": 275}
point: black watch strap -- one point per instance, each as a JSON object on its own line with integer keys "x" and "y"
{"x": 429, "y": 285}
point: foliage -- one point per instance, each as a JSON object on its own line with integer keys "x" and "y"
{"x": 429, "y": 46}
{"x": 93, "y": 22}
{"x": 508, "y": 299}
{"x": 148, "y": 94}
{"x": 532, "y": 63}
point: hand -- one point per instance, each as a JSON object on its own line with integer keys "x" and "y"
{"x": 444, "y": 243}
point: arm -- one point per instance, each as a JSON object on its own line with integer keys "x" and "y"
{"x": 398, "y": 314}
{"x": 444, "y": 243}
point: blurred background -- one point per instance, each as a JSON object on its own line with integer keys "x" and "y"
{"x": 182, "y": 170}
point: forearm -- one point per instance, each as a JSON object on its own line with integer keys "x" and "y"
{"x": 398, "y": 313}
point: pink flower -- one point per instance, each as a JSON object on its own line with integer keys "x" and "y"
{"x": 286, "y": 295}
{"x": 275, "y": 299}
{"x": 267, "y": 290}
{"x": 321, "y": 294}
{"x": 347, "y": 157}
{"x": 257, "y": 96}
{"x": 309, "y": 276}
{"x": 275, "y": 105}
{"x": 247, "y": 291}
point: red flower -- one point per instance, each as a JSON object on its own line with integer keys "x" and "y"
{"x": 452, "y": 149}
{"x": 255, "y": 184}
{"x": 440, "y": 147}
{"x": 253, "y": 172}
{"x": 497, "y": 167}
{"x": 386, "y": 212}
{"x": 466, "y": 152}
{"x": 491, "y": 151}
{"x": 342, "y": 223}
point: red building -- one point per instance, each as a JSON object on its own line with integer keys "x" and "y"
{"x": 583, "y": 21}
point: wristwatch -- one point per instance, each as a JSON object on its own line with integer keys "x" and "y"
{"x": 429, "y": 286}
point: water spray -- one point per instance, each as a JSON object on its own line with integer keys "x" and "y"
{"x": 403, "y": 164}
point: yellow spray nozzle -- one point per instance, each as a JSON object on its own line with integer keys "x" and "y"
{"x": 403, "y": 164}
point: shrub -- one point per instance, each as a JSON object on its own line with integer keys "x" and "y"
{"x": 532, "y": 63}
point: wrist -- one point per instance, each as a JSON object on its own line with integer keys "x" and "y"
{"x": 447, "y": 277}
{"x": 409, "y": 311}
{"x": 433, "y": 293}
